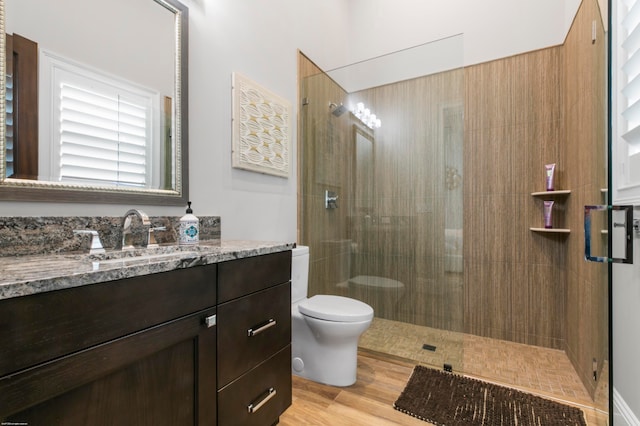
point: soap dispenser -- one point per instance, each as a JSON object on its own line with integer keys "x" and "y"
{"x": 189, "y": 228}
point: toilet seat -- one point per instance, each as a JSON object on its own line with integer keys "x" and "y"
{"x": 335, "y": 308}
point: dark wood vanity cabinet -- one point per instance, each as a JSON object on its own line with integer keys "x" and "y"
{"x": 254, "y": 339}
{"x": 135, "y": 351}
{"x": 199, "y": 346}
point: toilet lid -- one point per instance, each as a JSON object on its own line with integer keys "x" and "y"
{"x": 335, "y": 308}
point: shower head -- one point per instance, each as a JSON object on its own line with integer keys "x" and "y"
{"x": 337, "y": 110}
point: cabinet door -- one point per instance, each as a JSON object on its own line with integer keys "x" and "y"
{"x": 164, "y": 375}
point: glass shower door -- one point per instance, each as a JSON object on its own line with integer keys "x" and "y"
{"x": 394, "y": 237}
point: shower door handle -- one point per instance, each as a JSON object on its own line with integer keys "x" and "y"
{"x": 618, "y": 217}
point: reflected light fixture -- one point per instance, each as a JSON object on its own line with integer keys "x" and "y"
{"x": 364, "y": 114}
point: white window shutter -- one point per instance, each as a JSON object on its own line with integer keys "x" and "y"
{"x": 103, "y": 137}
{"x": 102, "y": 129}
{"x": 630, "y": 42}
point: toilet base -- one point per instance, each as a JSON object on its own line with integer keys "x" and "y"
{"x": 324, "y": 359}
{"x": 327, "y": 368}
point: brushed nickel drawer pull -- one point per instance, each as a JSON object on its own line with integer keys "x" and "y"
{"x": 251, "y": 332}
{"x": 210, "y": 321}
{"x": 253, "y": 408}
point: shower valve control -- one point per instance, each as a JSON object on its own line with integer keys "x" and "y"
{"x": 330, "y": 200}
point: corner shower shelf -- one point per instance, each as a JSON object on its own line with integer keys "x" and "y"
{"x": 558, "y": 193}
{"x": 561, "y": 192}
{"x": 551, "y": 230}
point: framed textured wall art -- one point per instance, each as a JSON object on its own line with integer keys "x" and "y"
{"x": 261, "y": 128}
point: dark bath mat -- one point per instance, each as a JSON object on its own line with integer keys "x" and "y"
{"x": 448, "y": 399}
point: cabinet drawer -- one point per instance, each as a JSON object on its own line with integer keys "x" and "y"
{"x": 44, "y": 326}
{"x": 237, "y": 278}
{"x": 251, "y": 329}
{"x": 265, "y": 390}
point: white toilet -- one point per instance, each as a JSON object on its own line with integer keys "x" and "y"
{"x": 324, "y": 329}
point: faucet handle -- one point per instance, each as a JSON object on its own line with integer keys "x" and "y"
{"x": 151, "y": 240}
{"x": 96, "y": 244}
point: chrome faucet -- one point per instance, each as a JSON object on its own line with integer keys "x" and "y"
{"x": 126, "y": 226}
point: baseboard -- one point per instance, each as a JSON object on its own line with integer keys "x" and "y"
{"x": 622, "y": 410}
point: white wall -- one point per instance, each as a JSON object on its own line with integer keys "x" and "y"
{"x": 626, "y": 338}
{"x": 260, "y": 40}
{"x": 492, "y": 28}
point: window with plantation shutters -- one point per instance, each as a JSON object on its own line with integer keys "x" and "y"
{"x": 103, "y": 137}
{"x": 626, "y": 96}
{"x": 101, "y": 128}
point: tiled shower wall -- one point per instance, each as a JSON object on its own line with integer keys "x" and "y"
{"x": 514, "y": 125}
{"x": 586, "y": 164}
{"x": 523, "y": 112}
{"x": 520, "y": 113}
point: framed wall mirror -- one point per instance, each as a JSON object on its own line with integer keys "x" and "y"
{"x": 94, "y": 107}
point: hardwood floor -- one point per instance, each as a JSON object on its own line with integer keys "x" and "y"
{"x": 369, "y": 401}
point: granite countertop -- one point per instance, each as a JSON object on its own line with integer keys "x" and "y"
{"x": 25, "y": 275}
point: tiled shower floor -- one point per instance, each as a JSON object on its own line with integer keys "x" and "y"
{"x": 547, "y": 372}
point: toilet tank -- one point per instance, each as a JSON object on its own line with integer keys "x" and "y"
{"x": 299, "y": 273}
